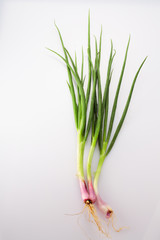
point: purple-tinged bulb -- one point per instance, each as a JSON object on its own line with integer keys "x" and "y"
{"x": 84, "y": 191}
{"x": 92, "y": 195}
{"x": 104, "y": 207}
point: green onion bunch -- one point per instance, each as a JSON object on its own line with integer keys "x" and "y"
{"x": 91, "y": 107}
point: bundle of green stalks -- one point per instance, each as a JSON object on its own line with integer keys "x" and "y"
{"x": 91, "y": 107}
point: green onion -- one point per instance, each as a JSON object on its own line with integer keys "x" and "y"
{"x": 95, "y": 122}
{"x": 91, "y": 103}
{"x": 80, "y": 103}
{"x": 106, "y": 145}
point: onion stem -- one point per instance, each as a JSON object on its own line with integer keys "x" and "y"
{"x": 80, "y": 153}
{"x": 89, "y": 162}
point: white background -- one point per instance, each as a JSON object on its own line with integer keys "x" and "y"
{"x": 38, "y": 183}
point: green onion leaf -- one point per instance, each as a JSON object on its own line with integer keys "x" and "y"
{"x": 125, "y": 110}
{"x": 104, "y": 117}
{"x": 97, "y": 67}
{"x": 116, "y": 96}
{"x": 75, "y": 107}
{"x": 89, "y": 62}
